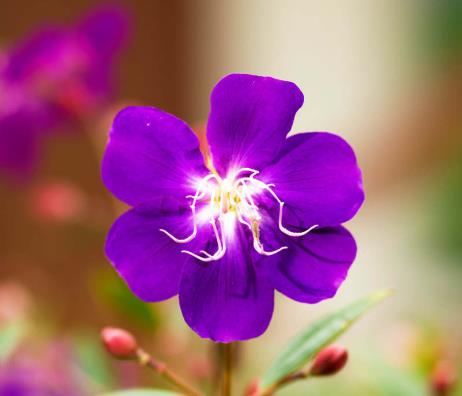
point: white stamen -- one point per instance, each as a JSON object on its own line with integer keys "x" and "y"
{"x": 190, "y": 237}
{"x": 229, "y": 199}
{"x": 221, "y": 247}
{"x": 259, "y": 248}
{"x": 253, "y": 172}
{"x": 283, "y": 229}
{"x": 292, "y": 233}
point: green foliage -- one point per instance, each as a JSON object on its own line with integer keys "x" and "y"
{"x": 322, "y": 332}
{"x": 442, "y": 29}
{"x": 92, "y": 359}
{"x": 393, "y": 381}
{"x": 447, "y": 211}
{"x": 115, "y": 293}
{"x": 11, "y": 336}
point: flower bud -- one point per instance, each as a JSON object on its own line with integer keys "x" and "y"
{"x": 253, "y": 389}
{"x": 443, "y": 378}
{"x": 119, "y": 343}
{"x": 57, "y": 201}
{"x": 329, "y": 360}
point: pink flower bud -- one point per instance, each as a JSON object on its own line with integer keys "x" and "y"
{"x": 119, "y": 343}
{"x": 253, "y": 389}
{"x": 329, "y": 360}
{"x": 443, "y": 378}
{"x": 58, "y": 201}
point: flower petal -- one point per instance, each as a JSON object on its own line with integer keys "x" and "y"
{"x": 34, "y": 53}
{"x": 105, "y": 29}
{"x": 229, "y": 299}
{"x": 151, "y": 154}
{"x": 102, "y": 34}
{"x": 318, "y": 178}
{"x": 18, "y": 144}
{"x": 249, "y": 119}
{"x": 314, "y": 266}
{"x": 147, "y": 259}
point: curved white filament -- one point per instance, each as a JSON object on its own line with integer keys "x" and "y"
{"x": 190, "y": 237}
{"x": 292, "y": 233}
{"x": 221, "y": 242}
{"x": 259, "y": 248}
{"x": 282, "y": 228}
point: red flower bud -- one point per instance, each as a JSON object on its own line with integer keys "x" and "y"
{"x": 443, "y": 378}
{"x": 119, "y": 343}
{"x": 253, "y": 389}
{"x": 57, "y": 201}
{"x": 329, "y": 360}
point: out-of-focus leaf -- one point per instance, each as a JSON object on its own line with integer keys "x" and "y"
{"x": 441, "y": 30}
{"x": 92, "y": 359}
{"x": 142, "y": 392}
{"x": 114, "y": 292}
{"x": 394, "y": 381}
{"x": 10, "y": 337}
{"x": 322, "y": 332}
{"x": 447, "y": 212}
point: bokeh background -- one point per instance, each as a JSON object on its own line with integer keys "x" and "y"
{"x": 385, "y": 75}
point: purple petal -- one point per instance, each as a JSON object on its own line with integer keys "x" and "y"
{"x": 80, "y": 56}
{"x": 249, "y": 119}
{"x": 229, "y": 299}
{"x": 55, "y": 64}
{"x": 106, "y": 29}
{"x": 148, "y": 260}
{"x": 318, "y": 178}
{"x": 18, "y": 145}
{"x": 104, "y": 32}
{"x": 314, "y": 266}
{"x": 38, "y": 51}
{"x": 151, "y": 154}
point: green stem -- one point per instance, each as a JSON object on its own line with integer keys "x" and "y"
{"x": 284, "y": 381}
{"x": 146, "y": 360}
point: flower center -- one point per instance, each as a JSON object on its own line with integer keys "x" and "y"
{"x": 227, "y": 202}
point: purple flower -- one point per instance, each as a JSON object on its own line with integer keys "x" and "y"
{"x": 264, "y": 214}
{"x": 33, "y": 379}
{"x": 57, "y": 75}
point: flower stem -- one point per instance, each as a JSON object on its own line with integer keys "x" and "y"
{"x": 146, "y": 360}
{"x": 227, "y": 368}
{"x": 288, "y": 379}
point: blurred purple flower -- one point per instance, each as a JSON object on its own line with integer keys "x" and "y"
{"x": 34, "y": 379}
{"x": 57, "y": 76}
{"x": 264, "y": 215}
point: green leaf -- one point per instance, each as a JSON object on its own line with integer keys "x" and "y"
{"x": 92, "y": 359}
{"x": 141, "y": 392}
{"x": 112, "y": 291}
{"x": 10, "y": 337}
{"x": 322, "y": 332}
{"x": 394, "y": 381}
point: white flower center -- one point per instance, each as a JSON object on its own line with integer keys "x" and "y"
{"x": 227, "y": 201}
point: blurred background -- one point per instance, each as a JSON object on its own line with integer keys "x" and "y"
{"x": 385, "y": 75}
